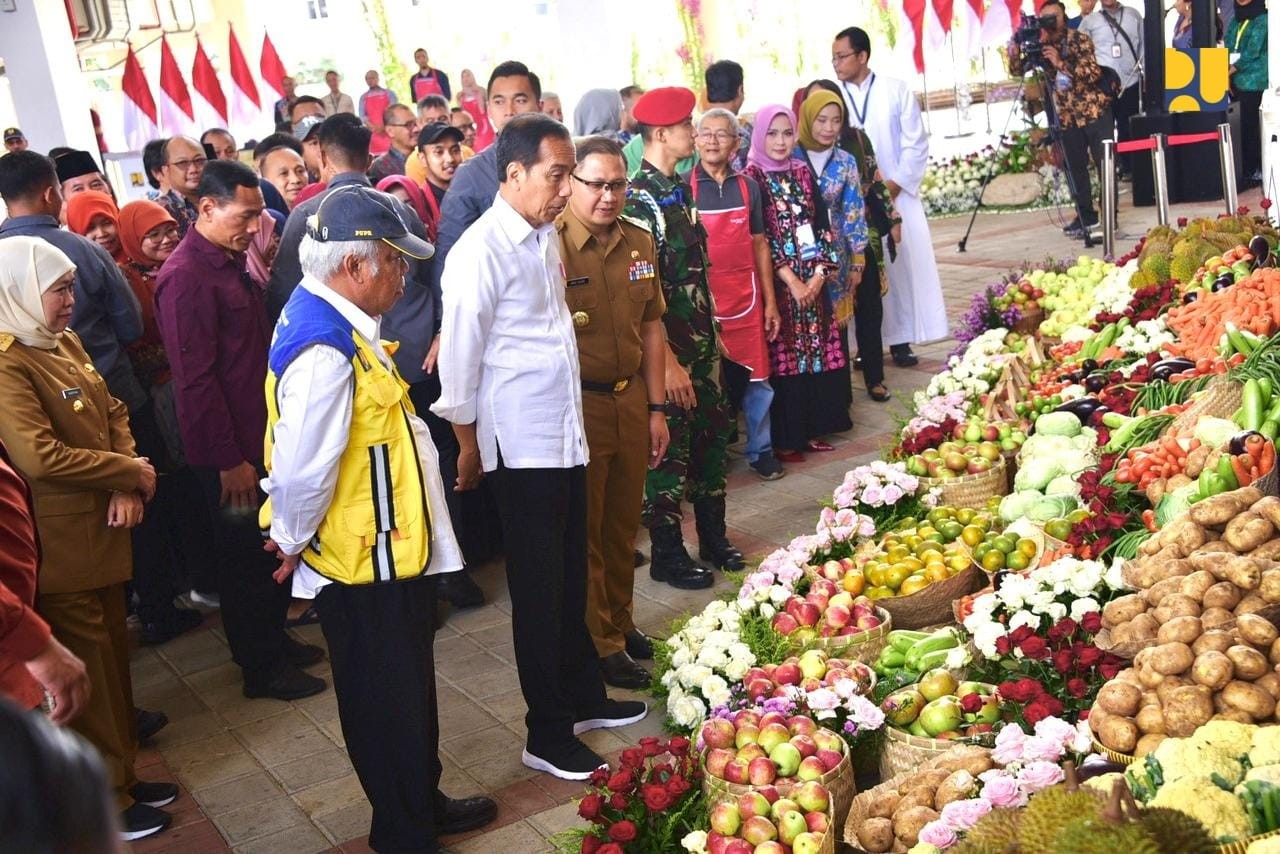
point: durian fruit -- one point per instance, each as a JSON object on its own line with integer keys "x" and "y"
{"x": 1177, "y": 831}
{"x": 993, "y": 834}
{"x": 1141, "y": 279}
{"x": 1162, "y": 232}
{"x": 1099, "y": 836}
{"x": 1157, "y": 267}
{"x": 1183, "y": 268}
{"x": 1156, "y": 246}
{"x": 1223, "y": 240}
{"x": 1049, "y": 811}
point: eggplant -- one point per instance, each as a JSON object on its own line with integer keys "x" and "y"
{"x": 1191, "y": 296}
{"x": 1096, "y": 382}
{"x": 1082, "y": 408}
{"x": 1261, "y": 251}
{"x": 1166, "y": 368}
{"x": 1089, "y": 366}
{"x": 1237, "y": 444}
{"x": 1073, "y": 377}
{"x": 1095, "y": 420}
{"x": 1226, "y": 280}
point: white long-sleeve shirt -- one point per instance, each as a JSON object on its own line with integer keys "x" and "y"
{"x": 314, "y": 397}
{"x": 508, "y": 354}
{"x": 887, "y": 110}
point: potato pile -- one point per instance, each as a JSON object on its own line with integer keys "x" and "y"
{"x": 1201, "y": 573}
{"x": 890, "y": 816}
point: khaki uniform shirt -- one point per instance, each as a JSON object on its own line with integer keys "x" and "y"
{"x": 611, "y": 288}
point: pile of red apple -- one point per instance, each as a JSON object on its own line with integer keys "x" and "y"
{"x": 761, "y": 822}
{"x": 754, "y": 749}
{"x": 809, "y": 671}
{"x": 826, "y": 610}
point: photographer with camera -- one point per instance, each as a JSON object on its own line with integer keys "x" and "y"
{"x": 1116, "y": 32}
{"x": 1071, "y": 73}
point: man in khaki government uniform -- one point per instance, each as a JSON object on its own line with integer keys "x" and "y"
{"x": 613, "y": 293}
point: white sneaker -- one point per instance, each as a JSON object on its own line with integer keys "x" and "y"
{"x": 613, "y": 713}
{"x": 205, "y": 600}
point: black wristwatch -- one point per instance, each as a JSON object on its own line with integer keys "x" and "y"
{"x": 657, "y": 407}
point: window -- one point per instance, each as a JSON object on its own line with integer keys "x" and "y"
{"x": 317, "y": 9}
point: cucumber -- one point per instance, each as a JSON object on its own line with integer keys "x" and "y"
{"x": 930, "y": 660}
{"x": 891, "y": 658}
{"x": 903, "y": 640}
{"x": 945, "y": 638}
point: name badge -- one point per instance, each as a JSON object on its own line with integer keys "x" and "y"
{"x": 582, "y": 280}
{"x": 71, "y": 393}
{"x": 640, "y": 270}
{"x": 1115, "y": 51}
{"x": 806, "y": 242}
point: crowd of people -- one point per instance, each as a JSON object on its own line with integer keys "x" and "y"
{"x": 346, "y": 375}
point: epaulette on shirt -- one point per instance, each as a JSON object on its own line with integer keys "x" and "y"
{"x": 638, "y": 223}
{"x": 6, "y": 341}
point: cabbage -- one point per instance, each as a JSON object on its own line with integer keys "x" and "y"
{"x": 1036, "y": 473}
{"x": 1175, "y": 503}
{"x": 1058, "y": 424}
{"x": 1052, "y": 507}
{"x": 1016, "y": 505}
{"x": 1063, "y": 485}
{"x": 1215, "y": 432}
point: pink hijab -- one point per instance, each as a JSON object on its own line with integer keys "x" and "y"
{"x": 760, "y": 133}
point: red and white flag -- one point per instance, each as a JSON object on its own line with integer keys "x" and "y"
{"x": 176, "y": 113}
{"x": 211, "y": 103}
{"x": 141, "y": 121}
{"x": 970, "y": 15}
{"x": 244, "y": 105}
{"x": 272, "y": 68}
{"x": 1000, "y": 22}
{"x": 915, "y": 13}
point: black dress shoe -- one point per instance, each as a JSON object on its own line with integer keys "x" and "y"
{"x": 286, "y": 683}
{"x": 150, "y": 723}
{"x": 460, "y": 590}
{"x": 301, "y": 654}
{"x": 639, "y": 645}
{"x": 458, "y": 815}
{"x": 639, "y": 558}
{"x": 903, "y": 357}
{"x": 621, "y": 671}
{"x": 169, "y": 625}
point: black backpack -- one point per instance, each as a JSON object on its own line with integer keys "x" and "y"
{"x": 1108, "y": 82}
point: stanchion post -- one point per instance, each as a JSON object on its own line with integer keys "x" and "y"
{"x": 1227, "y": 159}
{"x": 1161, "y": 179}
{"x": 1108, "y": 199}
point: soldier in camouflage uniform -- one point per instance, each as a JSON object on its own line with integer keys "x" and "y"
{"x": 698, "y": 415}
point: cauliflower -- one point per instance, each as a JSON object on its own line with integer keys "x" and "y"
{"x": 1104, "y": 782}
{"x": 1220, "y": 812}
{"x": 1269, "y": 773}
{"x": 1231, "y": 736}
{"x": 1183, "y": 758}
{"x": 1266, "y": 746}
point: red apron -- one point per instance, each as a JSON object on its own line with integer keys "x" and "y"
{"x": 735, "y": 290}
{"x": 424, "y": 86}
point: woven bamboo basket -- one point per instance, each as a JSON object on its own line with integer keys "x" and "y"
{"x": 1029, "y": 323}
{"x": 1242, "y": 846}
{"x": 840, "y": 783}
{"x": 1114, "y": 755}
{"x": 904, "y": 752}
{"x": 970, "y": 490}
{"x": 861, "y": 809}
{"x": 1219, "y": 400}
{"x": 863, "y": 646}
{"x": 933, "y": 605}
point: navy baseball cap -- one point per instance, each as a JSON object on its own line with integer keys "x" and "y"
{"x": 430, "y": 134}
{"x": 304, "y": 127}
{"x": 12, "y": 133}
{"x": 354, "y": 212}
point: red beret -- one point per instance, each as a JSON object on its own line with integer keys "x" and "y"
{"x": 663, "y": 107}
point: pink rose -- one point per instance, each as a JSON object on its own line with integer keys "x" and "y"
{"x": 962, "y": 815}
{"x": 1040, "y": 749}
{"x": 1056, "y": 730}
{"x": 1009, "y": 744}
{"x": 1003, "y": 791}
{"x": 938, "y": 834}
{"x": 1036, "y": 776}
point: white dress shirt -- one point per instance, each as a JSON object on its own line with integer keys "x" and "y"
{"x": 508, "y": 354}
{"x": 314, "y": 397}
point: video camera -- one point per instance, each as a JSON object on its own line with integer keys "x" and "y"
{"x": 1027, "y": 38}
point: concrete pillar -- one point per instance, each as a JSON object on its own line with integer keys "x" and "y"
{"x": 49, "y": 94}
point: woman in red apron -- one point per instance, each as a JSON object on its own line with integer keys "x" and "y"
{"x": 743, "y": 300}
{"x": 471, "y": 97}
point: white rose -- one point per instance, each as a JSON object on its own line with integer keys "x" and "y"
{"x": 716, "y": 691}
{"x": 736, "y": 669}
{"x": 695, "y": 842}
{"x": 680, "y": 658}
{"x": 688, "y": 712}
{"x": 1024, "y": 618}
{"x": 1080, "y": 607}
{"x": 768, "y": 611}
{"x": 985, "y": 637}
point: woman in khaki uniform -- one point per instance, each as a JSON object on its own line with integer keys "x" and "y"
{"x": 70, "y": 439}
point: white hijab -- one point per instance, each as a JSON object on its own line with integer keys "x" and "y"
{"x": 29, "y": 266}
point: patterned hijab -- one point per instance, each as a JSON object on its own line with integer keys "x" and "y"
{"x": 760, "y": 134}
{"x": 809, "y": 110}
{"x": 28, "y": 267}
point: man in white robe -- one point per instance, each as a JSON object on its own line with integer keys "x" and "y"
{"x": 886, "y": 109}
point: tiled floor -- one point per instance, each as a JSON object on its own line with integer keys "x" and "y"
{"x": 263, "y": 775}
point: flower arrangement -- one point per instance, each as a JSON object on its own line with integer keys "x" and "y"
{"x": 838, "y": 703}
{"x": 933, "y": 422}
{"x": 647, "y": 804}
{"x": 951, "y": 186}
{"x": 973, "y": 372}
{"x": 880, "y": 491}
{"x": 1030, "y": 763}
{"x": 700, "y": 660}
{"x": 985, "y": 313}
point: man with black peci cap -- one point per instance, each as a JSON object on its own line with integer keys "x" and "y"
{"x": 14, "y": 140}
{"x": 440, "y": 151}
{"x": 78, "y": 172}
{"x": 357, "y": 510}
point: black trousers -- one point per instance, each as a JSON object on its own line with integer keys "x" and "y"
{"x": 1250, "y": 131}
{"x": 1123, "y": 109}
{"x": 380, "y": 646}
{"x": 1078, "y": 143}
{"x": 253, "y": 604}
{"x": 544, "y": 526}
{"x": 868, "y": 315}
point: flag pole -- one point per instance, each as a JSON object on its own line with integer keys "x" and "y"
{"x": 955, "y": 92}
{"x": 986, "y": 92}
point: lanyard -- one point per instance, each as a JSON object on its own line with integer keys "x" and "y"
{"x": 1240, "y": 34}
{"x": 861, "y": 115}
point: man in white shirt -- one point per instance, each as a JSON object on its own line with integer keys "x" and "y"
{"x": 334, "y": 101}
{"x": 350, "y": 464}
{"x": 1116, "y": 32}
{"x": 512, "y": 389}
{"x": 887, "y": 110}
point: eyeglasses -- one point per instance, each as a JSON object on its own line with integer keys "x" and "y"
{"x": 615, "y": 187}
{"x": 402, "y": 124}
{"x": 717, "y": 135}
{"x": 841, "y": 57}
{"x": 160, "y": 235}
{"x": 184, "y": 165}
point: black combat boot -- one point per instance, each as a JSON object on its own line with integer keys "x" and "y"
{"x": 713, "y": 545}
{"x": 669, "y": 561}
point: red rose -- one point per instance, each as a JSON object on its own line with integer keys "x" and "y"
{"x": 1034, "y": 648}
{"x": 618, "y": 801}
{"x": 623, "y": 831}
{"x": 1089, "y": 656}
{"x": 656, "y": 798}
{"x": 650, "y": 745}
{"x": 590, "y": 806}
{"x": 1062, "y": 630}
{"x": 1077, "y": 688}
{"x": 1020, "y": 634}
{"x": 677, "y": 786}
{"x": 1036, "y": 711}
{"x": 678, "y": 746}
{"x": 1003, "y": 645}
{"x": 970, "y": 703}
{"x": 1063, "y": 660}
{"x": 591, "y": 844}
{"x": 1091, "y": 622}
{"x": 610, "y": 848}
{"x": 1110, "y": 667}
{"x": 632, "y": 757}
{"x": 599, "y": 777}
{"x": 622, "y": 781}
{"x": 1014, "y": 691}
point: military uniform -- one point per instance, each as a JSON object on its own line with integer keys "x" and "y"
{"x": 694, "y": 466}
{"x": 611, "y": 289}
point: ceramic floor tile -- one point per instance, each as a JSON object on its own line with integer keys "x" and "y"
{"x": 330, "y": 796}
{"x": 260, "y": 819}
{"x": 302, "y": 839}
{"x": 350, "y": 822}
{"x": 520, "y": 836}
{"x": 310, "y": 770}
{"x": 236, "y": 794}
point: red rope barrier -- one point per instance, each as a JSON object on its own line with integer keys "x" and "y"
{"x": 1190, "y": 138}
{"x": 1147, "y": 144}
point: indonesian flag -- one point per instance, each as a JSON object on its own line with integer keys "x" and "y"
{"x": 141, "y": 123}
{"x": 212, "y": 104}
{"x": 970, "y": 14}
{"x": 176, "y": 114}
{"x": 271, "y": 67}
{"x": 1000, "y": 21}
{"x": 915, "y": 12}
{"x": 246, "y": 108}
{"x": 937, "y": 24}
